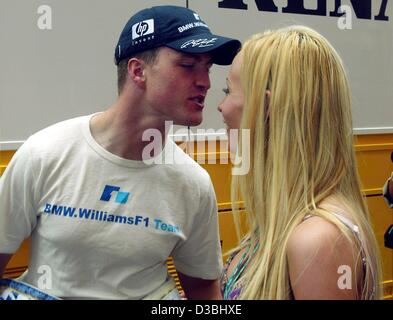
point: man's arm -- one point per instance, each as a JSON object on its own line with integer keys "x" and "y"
{"x": 200, "y": 289}
{"x": 387, "y": 191}
{"x": 4, "y": 259}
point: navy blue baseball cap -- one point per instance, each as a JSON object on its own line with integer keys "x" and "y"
{"x": 175, "y": 27}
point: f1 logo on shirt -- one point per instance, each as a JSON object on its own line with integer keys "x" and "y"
{"x": 121, "y": 197}
{"x": 142, "y": 28}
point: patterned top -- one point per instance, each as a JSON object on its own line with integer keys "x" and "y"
{"x": 230, "y": 292}
{"x": 231, "y": 287}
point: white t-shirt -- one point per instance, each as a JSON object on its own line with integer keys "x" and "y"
{"x": 103, "y": 226}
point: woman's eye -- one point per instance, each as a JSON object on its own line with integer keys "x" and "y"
{"x": 225, "y": 90}
{"x": 185, "y": 65}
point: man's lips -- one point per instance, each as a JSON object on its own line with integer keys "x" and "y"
{"x": 199, "y": 101}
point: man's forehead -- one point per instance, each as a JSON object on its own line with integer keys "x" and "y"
{"x": 202, "y": 57}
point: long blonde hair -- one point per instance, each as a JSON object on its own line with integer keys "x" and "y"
{"x": 301, "y": 152}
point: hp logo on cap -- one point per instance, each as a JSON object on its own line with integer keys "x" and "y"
{"x": 142, "y": 28}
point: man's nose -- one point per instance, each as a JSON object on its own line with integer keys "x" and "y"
{"x": 203, "y": 80}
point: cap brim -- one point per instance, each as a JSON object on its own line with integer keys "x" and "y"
{"x": 223, "y": 49}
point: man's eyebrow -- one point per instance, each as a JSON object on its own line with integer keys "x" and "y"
{"x": 196, "y": 56}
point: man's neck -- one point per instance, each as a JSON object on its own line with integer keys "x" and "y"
{"x": 120, "y": 131}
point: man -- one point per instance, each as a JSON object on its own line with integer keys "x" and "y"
{"x": 102, "y": 219}
{"x": 388, "y": 191}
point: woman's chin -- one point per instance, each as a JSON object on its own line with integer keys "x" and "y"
{"x": 233, "y": 138}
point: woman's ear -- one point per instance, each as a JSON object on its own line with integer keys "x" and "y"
{"x": 267, "y": 104}
{"x": 136, "y": 71}
{"x": 268, "y": 94}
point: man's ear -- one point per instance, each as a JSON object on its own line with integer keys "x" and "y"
{"x": 136, "y": 71}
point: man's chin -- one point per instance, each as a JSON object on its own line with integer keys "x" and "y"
{"x": 190, "y": 122}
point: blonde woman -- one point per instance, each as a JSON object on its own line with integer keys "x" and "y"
{"x": 309, "y": 231}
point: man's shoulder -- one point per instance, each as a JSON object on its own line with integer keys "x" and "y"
{"x": 184, "y": 162}
{"x": 182, "y": 166}
{"x": 56, "y": 134}
{"x": 62, "y": 125}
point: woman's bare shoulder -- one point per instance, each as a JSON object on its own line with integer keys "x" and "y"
{"x": 316, "y": 251}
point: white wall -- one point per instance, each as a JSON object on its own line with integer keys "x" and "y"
{"x": 366, "y": 49}
{"x": 50, "y": 75}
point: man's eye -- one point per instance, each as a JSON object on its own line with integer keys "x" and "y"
{"x": 186, "y": 65}
{"x": 225, "y": 90}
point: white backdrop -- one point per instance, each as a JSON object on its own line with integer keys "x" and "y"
{"x": 366, "y": 49}
{"x": 51, "y": 75}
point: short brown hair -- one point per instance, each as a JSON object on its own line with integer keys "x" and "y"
{"x": 148, "y": 56}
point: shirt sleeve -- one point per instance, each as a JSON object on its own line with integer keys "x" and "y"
{"x": 200, "y": 255}
{"x": 17, "y": 209}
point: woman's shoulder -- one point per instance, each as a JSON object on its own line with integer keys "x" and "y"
{"x": 319, "y": 234}
{"x": 314, "y": 234}
{"x": 318, "y": 252}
